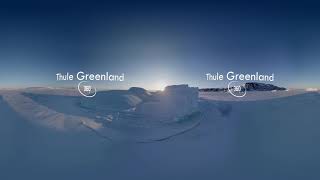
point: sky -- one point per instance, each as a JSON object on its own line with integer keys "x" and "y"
{"x": 157, "y": 43}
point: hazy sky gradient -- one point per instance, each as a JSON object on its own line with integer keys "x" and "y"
{"x": 159, "y": 42}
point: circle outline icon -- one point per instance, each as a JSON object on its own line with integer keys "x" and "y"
{"x": 90, "y": 96}
{"x": 245, "y": 90}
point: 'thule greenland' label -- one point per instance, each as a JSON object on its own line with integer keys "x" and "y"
{"x": 86, "y": 85}
{"x": 236, "y": 86}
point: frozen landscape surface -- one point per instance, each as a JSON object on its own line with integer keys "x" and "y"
{"x": 42, "y": 115}
{"x": 51, "y": 135}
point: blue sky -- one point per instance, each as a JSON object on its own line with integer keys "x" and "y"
{"x": 159, "y": 42}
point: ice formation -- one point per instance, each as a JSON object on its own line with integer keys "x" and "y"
{"x": 174, "y": 102}
{"x": 40, "y": 114}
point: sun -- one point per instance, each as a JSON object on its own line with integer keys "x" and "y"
{"x": 160, "y": 85}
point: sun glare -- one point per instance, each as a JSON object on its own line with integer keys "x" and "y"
{"x": 160, "y": 86}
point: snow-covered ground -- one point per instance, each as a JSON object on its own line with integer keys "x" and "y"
{"x": 269, "y": 135}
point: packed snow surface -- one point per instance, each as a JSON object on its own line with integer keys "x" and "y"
{"x": 268, "y": 135}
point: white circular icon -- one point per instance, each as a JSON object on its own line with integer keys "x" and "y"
{"x": 236, "y": 89}
{"x": 86, "y": 89}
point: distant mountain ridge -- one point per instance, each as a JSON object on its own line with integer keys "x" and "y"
{"x": 250, "y": 86}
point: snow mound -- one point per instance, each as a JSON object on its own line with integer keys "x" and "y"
{"x": 40, "y": 114}
{"x": 174, "y": 102}
{"x": 139, "y": 91}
